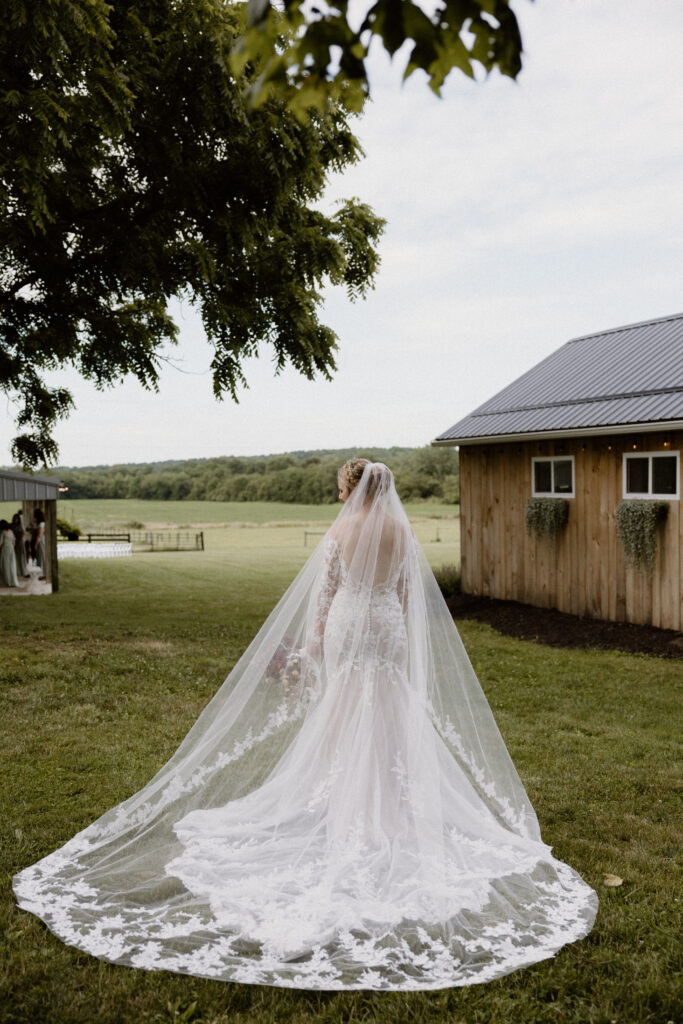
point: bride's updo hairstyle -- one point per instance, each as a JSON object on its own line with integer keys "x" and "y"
{"x": 377, "y": 476}
{"x": 352, "y": 471}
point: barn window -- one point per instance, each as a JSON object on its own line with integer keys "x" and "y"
{"x": 553, "y": 476}
{"x": 651, "y": 475}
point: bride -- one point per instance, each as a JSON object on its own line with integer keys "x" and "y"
{"x": 343, "y": 814}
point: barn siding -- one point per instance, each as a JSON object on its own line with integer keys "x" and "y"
{"x": 583, "y": 571}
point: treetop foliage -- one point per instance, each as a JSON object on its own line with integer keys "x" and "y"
{"x": 306, "y": 477}
{"x": 316, "y": 53}
{"x": 132, "y": 171}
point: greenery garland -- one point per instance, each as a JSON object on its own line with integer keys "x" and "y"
{"x": 546, "y": 517}
{"x": 637, "y": 522}
{"x": 68, "y": 530}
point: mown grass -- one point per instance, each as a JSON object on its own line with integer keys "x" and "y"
{"x": 101, "y": 681}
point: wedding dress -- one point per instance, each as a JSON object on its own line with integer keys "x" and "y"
{"x": 344, "y": 813}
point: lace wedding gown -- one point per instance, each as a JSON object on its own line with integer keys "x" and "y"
{"x": 343, "y": 815}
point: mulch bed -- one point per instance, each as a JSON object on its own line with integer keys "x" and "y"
{"x": 556, "y": 629}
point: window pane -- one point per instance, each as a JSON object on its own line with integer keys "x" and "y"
{"x": 636, "y": 475}
{"x": 563, "y": 476}
{"x": 542, "y": 477}
{"x": 663, "y": 474}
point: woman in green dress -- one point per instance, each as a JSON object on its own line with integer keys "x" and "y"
{"x": 19, "y": 546}
{"x": 8, "y": 565}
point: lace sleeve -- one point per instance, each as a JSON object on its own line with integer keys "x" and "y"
{"x": 402, "y": 587}
{"x": 329, "y": 583}
{"x": 409, "y": 553}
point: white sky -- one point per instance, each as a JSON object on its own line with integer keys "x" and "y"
{"x": 520, "y": 215}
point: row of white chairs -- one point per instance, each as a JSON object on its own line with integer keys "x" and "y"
{"x": 97, "y": 549}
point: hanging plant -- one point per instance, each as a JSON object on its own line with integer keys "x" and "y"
{"x": 546, "y": 517}
{"x": 637, "y": 522}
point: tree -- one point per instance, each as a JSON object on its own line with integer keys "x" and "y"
{"x": 315, "y": 54}
{"x": 131, "y": 171}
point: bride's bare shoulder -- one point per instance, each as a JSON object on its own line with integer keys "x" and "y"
{"x": 347, "y": 529}
{"x": 338, "y": 531}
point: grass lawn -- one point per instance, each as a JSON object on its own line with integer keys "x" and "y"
{"x": 101, "y": 681}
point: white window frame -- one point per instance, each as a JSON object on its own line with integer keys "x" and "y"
{"x": 552, "y": 459}
{"x": 649, "y": 496}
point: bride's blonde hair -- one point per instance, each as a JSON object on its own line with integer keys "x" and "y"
{"x": 379, "y": 477}
{"x": 352, "y": 471}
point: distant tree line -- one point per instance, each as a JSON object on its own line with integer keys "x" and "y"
{"x": 298, "y": 477}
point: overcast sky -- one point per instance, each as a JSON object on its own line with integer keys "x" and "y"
{"x": 520, "y": 215}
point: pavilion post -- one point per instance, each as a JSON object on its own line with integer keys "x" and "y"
{"x": 52, "y": 566}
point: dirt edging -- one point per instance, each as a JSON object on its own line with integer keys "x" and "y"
{"x": 557, "y": 629}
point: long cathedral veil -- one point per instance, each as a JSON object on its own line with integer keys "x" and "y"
{"x": 344, "y": 812}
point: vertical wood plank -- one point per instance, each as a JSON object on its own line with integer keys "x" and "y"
{"x": 676, "y": 593}
{"x": 486, "y": 536}
{"x": 517, "y": 535}
{"x": 595, "y": 525}
{"x": 466, "y": 498}
{"x": 505, "y": 513}
{"x": 474, "y": 458}
{"x": 623, "y": 571}
{"x": 603, "y": 504}
{"x": 525, "y": 540}
{"x": 474, "y": 524}
{"x": 51, "y": 565}
{"x": 498, "y": 522}
{"x": 610, "y": 570}
{"x": 531, "y": 589}
{"x": 659, "y": 583}
{"x": 580, "y": 486}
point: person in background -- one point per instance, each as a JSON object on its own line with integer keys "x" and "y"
{"x": 39, "y": 541}
{"x": 30, "y": 542}
{"x": 8, "y": 565}
{"x": 19, "y": 546}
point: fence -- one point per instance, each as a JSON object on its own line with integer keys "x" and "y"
{"x": 312, "y": 533}
{"x": 167, "y": 540}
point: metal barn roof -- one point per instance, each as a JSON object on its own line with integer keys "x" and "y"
{"x": 624, "y": 379}
{"x": 15, "y": 486}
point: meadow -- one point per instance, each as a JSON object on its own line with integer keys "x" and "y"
{"x": 101, "y": 681}
{"x": 111, "y": 512}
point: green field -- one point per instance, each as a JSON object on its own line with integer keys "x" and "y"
{"x": 102, "y": 680}
{"x": 91, "y": 513}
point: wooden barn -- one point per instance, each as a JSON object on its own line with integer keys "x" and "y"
{"x": 558, "y": 467}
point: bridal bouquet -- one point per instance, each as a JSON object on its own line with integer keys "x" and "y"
{"x": 288, "y": 669}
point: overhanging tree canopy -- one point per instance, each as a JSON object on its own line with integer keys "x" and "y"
{"x": 313, "y": 52}
{"x": 131, "y": 172}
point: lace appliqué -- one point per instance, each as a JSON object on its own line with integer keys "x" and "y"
{"x": 473, "y": 946}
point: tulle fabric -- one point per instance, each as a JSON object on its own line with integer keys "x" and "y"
{"x": 344, "y": 814}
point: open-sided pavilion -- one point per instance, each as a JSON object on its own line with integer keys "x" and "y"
{"x": 36, "y": 492}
